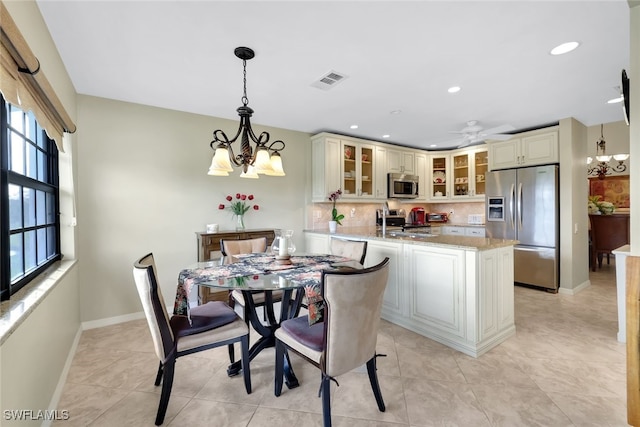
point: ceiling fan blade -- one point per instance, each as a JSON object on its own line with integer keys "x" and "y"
{"x": 498, "y": 137}
{"x": 497, "y": 129}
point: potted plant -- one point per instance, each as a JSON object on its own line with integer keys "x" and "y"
{"x": 335, "y": 217}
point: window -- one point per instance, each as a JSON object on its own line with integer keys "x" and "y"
{"x": 29, "y": 199}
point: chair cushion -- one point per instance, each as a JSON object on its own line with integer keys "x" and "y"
{"x": 211, "y": 337}
{"x": 300, "y": 330}
{"x": 203, "y": 318}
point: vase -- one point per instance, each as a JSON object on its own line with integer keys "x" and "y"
{"x": 333, "y": 226}
{"x": 240, "y": 222}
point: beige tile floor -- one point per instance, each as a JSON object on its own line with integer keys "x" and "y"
{"x": 564, "y": 367}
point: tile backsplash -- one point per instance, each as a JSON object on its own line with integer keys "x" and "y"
{"x": 364, "y": 214}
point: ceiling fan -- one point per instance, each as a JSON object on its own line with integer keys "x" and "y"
{"x": 474, "y": 133}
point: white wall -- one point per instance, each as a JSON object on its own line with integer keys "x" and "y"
{"x": 143, "y": 187}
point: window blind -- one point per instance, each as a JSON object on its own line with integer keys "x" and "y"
{"x": 24, "y": 84}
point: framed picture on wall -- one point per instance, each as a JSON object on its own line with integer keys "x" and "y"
{"x": 614, "y": 189}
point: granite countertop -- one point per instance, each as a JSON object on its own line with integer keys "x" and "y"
{"x": 455, "y": 241}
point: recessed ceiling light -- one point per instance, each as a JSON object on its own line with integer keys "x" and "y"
{"x": 396, "y": 112}
{"x": 453, "y": 89}
{"x": 564, "y": 48}
{"x": 354, "y": 126}
{"x": 615, "y": 100}
{"x": 386, "y": 136}
{"x": 433, "y": 145}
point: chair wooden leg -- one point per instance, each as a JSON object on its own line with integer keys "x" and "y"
{"x": 167, "y": 383}
{"x": 375, "y": 386}
{"x": 159, "y": 376}
{"x": 246, "y": 371}
{"x": 232, "y": 353}
{"x": 279, "y": 368}
{"x": 326, "y": 401}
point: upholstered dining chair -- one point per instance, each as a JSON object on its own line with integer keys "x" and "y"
{"x": 211, "y": 325}
{"x": 352, "y": 298}
{"x": 247, "y": 246}
{"x": 354, "y": 249}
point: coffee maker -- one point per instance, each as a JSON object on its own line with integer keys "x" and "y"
{"x": 417, "y": 216}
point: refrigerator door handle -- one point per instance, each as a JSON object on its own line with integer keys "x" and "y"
{"x": 520, "y": 206}
{"x": 511, "y": 206}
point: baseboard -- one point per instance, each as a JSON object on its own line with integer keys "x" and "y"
{"x": 92, "y": 324}
{"x": 582, "y": 286}
{"x": 57, "y": 393}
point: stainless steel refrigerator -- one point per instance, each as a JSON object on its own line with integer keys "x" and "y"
{"x": 522, "y": 204}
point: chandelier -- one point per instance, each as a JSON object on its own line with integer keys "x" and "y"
{"x": 602, "y": 168}
{"x": 265, "y": 159}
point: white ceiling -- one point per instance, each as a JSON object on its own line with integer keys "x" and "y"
{"x": 397, "y": 56}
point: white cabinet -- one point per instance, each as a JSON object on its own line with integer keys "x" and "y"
{"x": 400, "y": 161}
{"x": 316, "y": 243}
{"x": 342, "y": 164}
{"x": 422, "y": 169}
{"x": 394, "y": 294}
{"x": 439, "y": 177}
{"x": 474, "y": 231}
{"x": 457, "y": 230}
{"x": 458, "y": 175}
{"x": 497, "y": 301}
{"x": 325, "y": 163}
{"x": 381, "y": 173}
{"x": 452, "y": 230}
{"x": 526, "y": 150}
{"x": 357, "y": 170}
{"x": 436, "y": 279}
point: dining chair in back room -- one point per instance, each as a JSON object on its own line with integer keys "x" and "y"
{"x": 247, "y": 246}
{"x": 353, "y": 298}
{"x": 211, "y": 325}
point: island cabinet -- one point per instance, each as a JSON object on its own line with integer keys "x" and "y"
{"x": 528, "y": 149}
{"x": 443, "y": 287}
{"x": 208, "y": 248}
{"x": 377, "y": 250}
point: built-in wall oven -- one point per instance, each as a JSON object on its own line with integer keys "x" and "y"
{"x": 402, "y": 186}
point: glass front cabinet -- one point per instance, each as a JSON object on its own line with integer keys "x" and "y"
{"x": 358, "y": 170}
{"x": 469, "y": 168}
{"x": 439, "y": 179}
{"x": 459, "y": 175}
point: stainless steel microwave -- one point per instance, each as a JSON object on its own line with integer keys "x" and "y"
{"x": 402, "y": 186}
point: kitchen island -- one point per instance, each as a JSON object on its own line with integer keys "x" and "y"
{"x": 456, "y": 290}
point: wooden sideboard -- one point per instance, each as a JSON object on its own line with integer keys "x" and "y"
{"x": 209, "y": 249}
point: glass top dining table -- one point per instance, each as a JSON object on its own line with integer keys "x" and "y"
{"x": 263, "y": 273}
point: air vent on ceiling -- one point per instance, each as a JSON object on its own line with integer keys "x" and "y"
{"x": 329, "y": 80}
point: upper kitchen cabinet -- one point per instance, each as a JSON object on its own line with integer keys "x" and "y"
{"x": 358, "y": 170}
{"x": 381, "y": 173}
{"x": 400, "y": 161}
{"x": 326, "y": 155}
{"x": 469, "y": 167}
{"x": 343, "y": 164}
{"x": 440, "y": 177}
{"x": 422, "y": 168}
{"x": 528, "y": 149}
{"x": 458, "y": 175}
